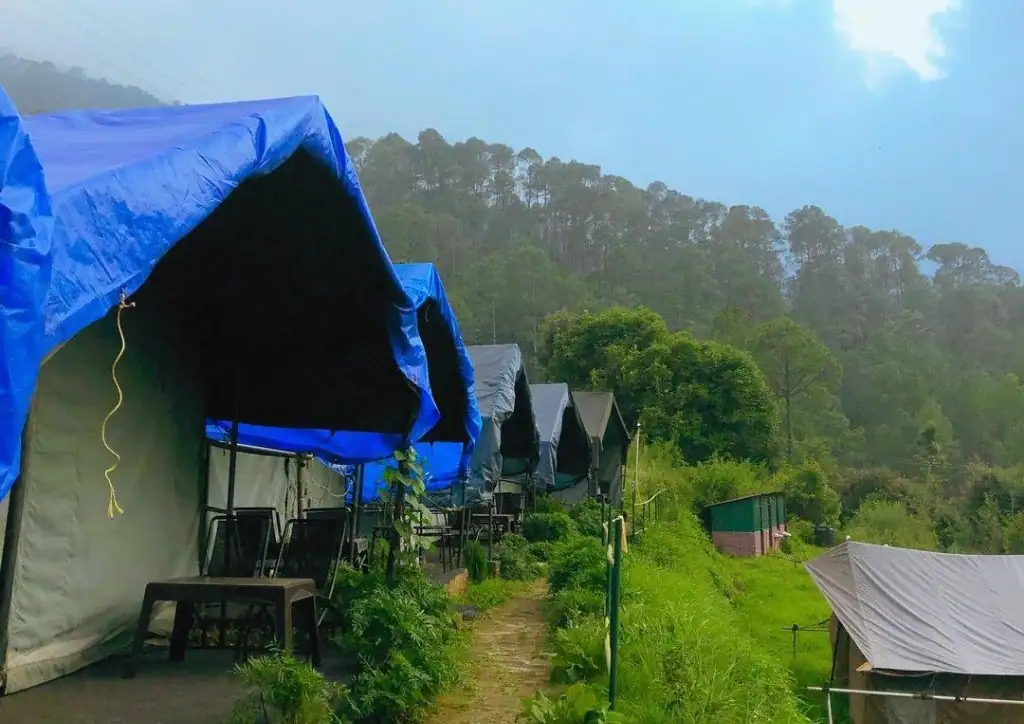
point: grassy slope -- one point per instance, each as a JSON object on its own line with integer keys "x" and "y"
{"x": 690, "y": 653}
{"x": 769, "y": 595}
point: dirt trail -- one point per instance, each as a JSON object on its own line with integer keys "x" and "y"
{"x": 508, "y": 664}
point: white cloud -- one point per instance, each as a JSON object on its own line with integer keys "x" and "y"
{"x": 893, "y": 33}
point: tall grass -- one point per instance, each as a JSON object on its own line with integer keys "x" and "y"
{"x": 702, "y": 637}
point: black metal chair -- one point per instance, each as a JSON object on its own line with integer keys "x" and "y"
{"x": 255, "y": 538}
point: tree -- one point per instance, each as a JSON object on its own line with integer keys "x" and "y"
{"x": 892, "y": 523}
{"x": 797, "y": 367}
{"x": 706, "y": 397}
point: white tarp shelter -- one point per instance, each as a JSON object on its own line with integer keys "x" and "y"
{"x": 918, "y": 621}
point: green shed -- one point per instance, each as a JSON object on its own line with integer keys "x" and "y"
{"x": 747, "y": 526}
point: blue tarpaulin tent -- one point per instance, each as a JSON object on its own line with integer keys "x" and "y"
{"x": 451, "y": 379}
{"x": 90, "y": 202}
{"x": 508, "y": 446}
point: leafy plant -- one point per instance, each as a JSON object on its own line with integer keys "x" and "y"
{"x": 515, "y": 561}
{"x": 573, "y": 604}
{"x": 281, "y": 690}
{"x": 579, "y": 653}
{"x": 490, "y": 593}
{"x": 406, "y": 643}
{"x": 548, "y": 527}
{"x": 475, "y": 559}
{"x": 547, "y": 504}
{"x": 407, "y": 476}
{"x": 541, "y": 550}
{"x": 580, "y": 563}
{"x": 589, "y": 517}
{"x": 578, "y": 705}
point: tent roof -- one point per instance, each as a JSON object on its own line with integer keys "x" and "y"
{"x": 599, "y": 410}
{"x": 451, "y": 381}
{"x": 249, "y": 224}
{"x": 509, "y": 427}
{"x": 917, "y": 611}
{"x": 553, "y": 402}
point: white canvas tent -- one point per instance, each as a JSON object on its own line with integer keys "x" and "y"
{"x": 76, "y": 575}
{"x": 919, "y": 622}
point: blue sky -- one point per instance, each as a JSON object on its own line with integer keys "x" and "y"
{"x": 889, "y": 113}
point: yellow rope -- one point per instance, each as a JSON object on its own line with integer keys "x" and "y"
{"x": 112, "y": 504}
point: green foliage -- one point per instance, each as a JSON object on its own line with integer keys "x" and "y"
{"x": 516, "y": 562}
{"x": 891, "y": 523}
{"x": 405, "y": 642}
{"x": 407, "y": 475}
{"x": 281, "y": 690}
{"x": 541, "y": 550}
{"x": 809, "y": 495}
{"x": 474, "y": 557}
{"x": 574, "y": 604}
{"x": 578, "y": 648}
{"x": 718, "y": 480}
{"x": 589, "y": 517}
{"x": 579, "y": 705}
{"x": 578, "y": 563}
{"x": 547, "y": 504}
{"x": 491, "y": 592}
{"x": 800, "y": 529}
{"x": 548, "y": 527}
{"x": 705, "y": 397}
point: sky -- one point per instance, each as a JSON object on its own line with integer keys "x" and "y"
{"x": 894, "y": 114}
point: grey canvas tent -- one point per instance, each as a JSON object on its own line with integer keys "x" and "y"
{"x": 609, "y": 440}
{"x": 508, "y": 448}
{"x": 927, "y": 623}
{"x": 565, "y": 456}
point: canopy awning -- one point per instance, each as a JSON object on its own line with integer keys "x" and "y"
{"x": 244, "y": 220}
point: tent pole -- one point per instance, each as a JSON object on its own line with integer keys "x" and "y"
{"x": 15, "y": 511}
{"x": 229, "y": 523}
{"x": 300, "y": 485}
{"x": 924, "y": 696}
{"x": 357, "y": 497}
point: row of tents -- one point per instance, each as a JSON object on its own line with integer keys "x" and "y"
{"x": 181, "y": 281}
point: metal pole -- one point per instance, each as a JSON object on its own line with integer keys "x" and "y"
{"x": 229, "y": 523}
{"x": 924, "y": 696}
{"x": 357, "y": 499}
{"x": 613, "y": 634}
{"x": 300, "y": 487}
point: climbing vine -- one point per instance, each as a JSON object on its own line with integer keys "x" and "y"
{"x": 407, "y": 490}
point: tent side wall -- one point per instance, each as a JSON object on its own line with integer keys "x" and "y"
{"x": 892, "y": 710}
{"x": 79, "y": 576}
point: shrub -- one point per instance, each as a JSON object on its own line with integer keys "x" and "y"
{"x": 541, "y": 550}
{"x": 802, "y": 530}
{"x": 547, "y": 504}
{"x": 578, "y": 705}
{"x": 474, "y": 557}
{"x": 406, "y": 643}
{"x": 578, "y": 563}
{"x": 281, "y": 690}
{"x": 548, "y": 527}
{"x": 574, "y": 604}
{"x": 515, "y": 561}
{"x": 588, "y": 517}
{"x": 579, "y": 652}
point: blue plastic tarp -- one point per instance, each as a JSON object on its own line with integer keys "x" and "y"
{"x": 422, "y": 284}
{"x": 91, "y": 201}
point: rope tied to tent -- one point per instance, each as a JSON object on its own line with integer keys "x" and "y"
{"x": 112, "y": 504}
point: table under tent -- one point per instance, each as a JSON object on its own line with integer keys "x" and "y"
{"x": 565, "y": 447}
{"x": 609, "y": 442}
{"x": 228, "y": 253}
{"x": 334, "y": 454}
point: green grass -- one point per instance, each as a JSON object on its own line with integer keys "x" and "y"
{"x": 769, "y": 595}
{"x": 492, "y": 592}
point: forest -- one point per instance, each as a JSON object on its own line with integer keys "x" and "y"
{"x": 894, "y": 369}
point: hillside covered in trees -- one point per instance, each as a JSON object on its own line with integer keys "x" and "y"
{"x": 895, "y": 369}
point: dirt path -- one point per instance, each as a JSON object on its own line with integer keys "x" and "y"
{"x": 508, "y": 664}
